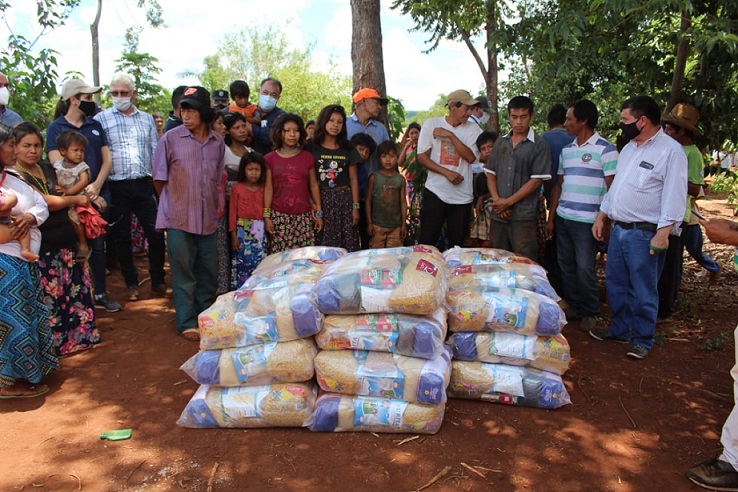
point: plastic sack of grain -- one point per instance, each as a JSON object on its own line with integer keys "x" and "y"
{"x": 251, "y": 317}
{"x": 343, "y": 413}
{"x": 510, "y": 385}
{"x": 509, "y": 275}
{"x": 316, "y": 253}
{"x": 545, "y": 353}
{"x": 286, "y": 362}
{"x": 404, "y": 334}
{"x": 457, "y": 256}
{"x": 248, "y": 407}
{"x": 515, "y": 310}
{"x": 397, "y": 280}
{"x": 360, "y": 372}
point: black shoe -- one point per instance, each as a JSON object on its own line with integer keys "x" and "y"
{"x": 714, "y": 474}
{"x": 108, "y": 304}
{"x": 605, "y": 336}
{"x": 638, "y": 352}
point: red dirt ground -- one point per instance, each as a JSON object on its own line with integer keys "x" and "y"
{"x": 633, "y": 425}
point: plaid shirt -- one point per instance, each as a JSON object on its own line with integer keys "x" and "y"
{"x": 133, "y": 140}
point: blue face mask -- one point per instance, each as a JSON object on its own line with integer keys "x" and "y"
{"x": 266, "y": 102}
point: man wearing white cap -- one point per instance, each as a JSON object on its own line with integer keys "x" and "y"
{"x": 447, "y": 149}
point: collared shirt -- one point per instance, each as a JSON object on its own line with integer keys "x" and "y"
{"x": 514, "y": 167}
{"x": 651, "y": 183}
{"x": 191, "y": 171}
{"x": 9, "y": 117}
{"x": 133, "y": 141}
{"x": 96, "y": 140}
{"x": 584, "y": 168}
{"x": 262, "y": 140}
{"x": 443, "y": 153}
{"x": 373, "y": 128}
{"x": 29, "y": 201}
{"x": 172, "y": 122}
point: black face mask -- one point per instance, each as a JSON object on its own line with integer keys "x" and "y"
{"x": 630, "y": 130}
{"x": 87, "y": 107}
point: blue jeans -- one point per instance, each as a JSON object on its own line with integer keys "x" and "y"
{"x": 137, "y": 196}
{"x": 97, "y": 253}
{"x": 576, "y": 252}
{"x": 693, "y": 243}
{"x": 193, "y": 260}
{"x": 632, "y": 277}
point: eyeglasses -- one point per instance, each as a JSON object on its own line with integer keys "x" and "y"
{"x": 120, "y": 93}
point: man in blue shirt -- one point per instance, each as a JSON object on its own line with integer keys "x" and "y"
{"x": 269, "y": 93}
{"x": 7, "y": 116}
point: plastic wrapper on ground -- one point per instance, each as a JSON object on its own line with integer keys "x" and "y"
{"x": 509, "y": 385}
{"x": 410, "y": 280}
{"x": 248, "y": 407}
{"x": 404, "y": 334}
{"x": 482, "y": 256}
{"x": 286, "y": 362}
{"x": 550, "y": 354}
{"x": 359, "y": 372}
{"x": 343, "y": 413}
{"x": 316, "y": 253}
{"x": 514, "y": 310}
{"x": 507, "y": 275}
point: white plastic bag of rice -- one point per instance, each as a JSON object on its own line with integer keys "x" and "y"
{"x": 405, "y": 334}
{"x": 343, "y": 413}
{"x": 277, "y": 362}
{"x": 247, "y": 407}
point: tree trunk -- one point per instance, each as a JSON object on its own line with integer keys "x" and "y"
{"x": 491, "y": 76}
{"x": 677, "y": 83}
{"x": 366, "y": 48}
{"x": 96, "y": 50}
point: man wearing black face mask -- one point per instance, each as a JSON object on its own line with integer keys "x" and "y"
{"x": 646, "y": 203}
{"x": 74, "y": 111}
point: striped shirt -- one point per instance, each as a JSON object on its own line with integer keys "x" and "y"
{"x": 132, "y": 140}
{"x": 651, "y": 183}
{"x": 191, "y": 172}
{"x": 584, "y": 169}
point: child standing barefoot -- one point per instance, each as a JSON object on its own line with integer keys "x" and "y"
{"x": 73, "y": 175}
{"x": 386, "y": 206}
{"x": 335, "y": 163}
{"x": 246, "y": 218}
{"x": 7, "y": 202}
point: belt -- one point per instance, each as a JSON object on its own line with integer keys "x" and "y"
{"x": 643, "y": 226}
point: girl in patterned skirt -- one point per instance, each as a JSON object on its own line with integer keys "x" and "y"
{"x": 246, "y": 218}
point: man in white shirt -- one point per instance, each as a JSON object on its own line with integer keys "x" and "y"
{"x": 646, "y": 204}
{"x": 445, "y": 150}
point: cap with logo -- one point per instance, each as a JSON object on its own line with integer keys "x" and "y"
{"x": 195, "y": 97}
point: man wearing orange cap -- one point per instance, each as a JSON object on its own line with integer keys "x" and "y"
{"x": 367, "y": 106}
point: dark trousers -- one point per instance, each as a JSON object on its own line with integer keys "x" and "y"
{"x": 671, "y": 275}
{"x": 137, "y": 196}
{"x": 435, "y": 212}
{"x": 97, "y": 256}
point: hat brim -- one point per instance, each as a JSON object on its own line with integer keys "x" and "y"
{"x": 191, "y": 103}
{"x": 466, "y": 102}
{"x": 668, "y": 118}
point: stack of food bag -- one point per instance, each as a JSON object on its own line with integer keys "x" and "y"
{"x": 507, "y": 343}
{"x": 256, "y": 361}
{"x": 383, "y": 366}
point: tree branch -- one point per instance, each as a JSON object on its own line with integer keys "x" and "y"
{"x": 475, "y": 54}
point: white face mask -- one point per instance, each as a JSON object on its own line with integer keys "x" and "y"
{"x": 122, "y": 104}
{"x": 4, "y": 96}
{"x": 484, "y": 118}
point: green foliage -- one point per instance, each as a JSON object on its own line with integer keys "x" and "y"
{"x": 396, "y": 116}
{"x": 32, "y": 77}
{"x": 253, "y": 54}
{"x": 718, "y": 342}
{"x": 725, "y": 182}
{"x": 437, "y": 109}
{"x": 151, "y": 97}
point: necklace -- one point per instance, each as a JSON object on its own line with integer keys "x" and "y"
{"x": 290, "y": 151}
{"x": 39, "y": 183}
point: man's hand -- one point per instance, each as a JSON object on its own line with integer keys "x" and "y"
{"x": 454, "y": 177}
{"x": 598, "y": 228}
{"x": 550, "y": 226}
{"x": 99, "y": 203}
{"x": 659, "y": 244}
{"x": 501, "y": 205}
{"x": 441, "y": 132}
{"x": 721, "y": 231}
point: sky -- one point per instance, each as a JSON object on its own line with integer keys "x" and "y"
{"x": 194, "y": 28}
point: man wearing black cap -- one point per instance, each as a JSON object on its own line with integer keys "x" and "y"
{"x": 187, "y": 168}
{"x": 220, "y": 99}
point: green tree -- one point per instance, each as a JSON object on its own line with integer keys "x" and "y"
{"x": 151, "y": 97}
{"x": 253, "y": 54}
{"x": 33, "y": 76}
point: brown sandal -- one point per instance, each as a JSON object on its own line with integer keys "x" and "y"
{"x": 191, "y": 334}
{"x": 31, "y": 391}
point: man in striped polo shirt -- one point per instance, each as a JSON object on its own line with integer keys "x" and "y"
{"x": 587, "y": 168}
